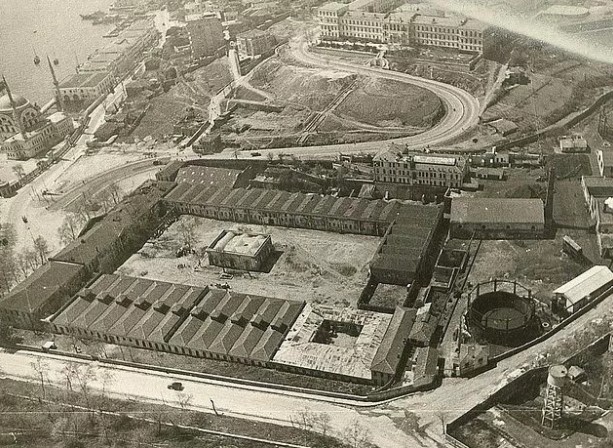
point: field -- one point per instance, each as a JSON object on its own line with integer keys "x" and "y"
{"x": 319, "y": 267}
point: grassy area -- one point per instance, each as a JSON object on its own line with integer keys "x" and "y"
{"x": 62, "y": 419}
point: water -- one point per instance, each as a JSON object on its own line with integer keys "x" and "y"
{"x": 51, "y": 27}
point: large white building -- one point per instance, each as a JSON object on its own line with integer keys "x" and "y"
{"x": 378, "y": 21}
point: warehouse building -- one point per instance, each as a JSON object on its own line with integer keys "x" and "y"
{"x": 574, "y": 295}
{"x": 41, "y": 294}
{"x": 494, "y": 218}
{"x": 183, "y": 319}
{"x": 406, "y": 252}
{"x": 281, "y": 208}
{"x": 239, "y": 250}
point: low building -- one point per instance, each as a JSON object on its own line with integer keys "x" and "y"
{"x": 338, "y": 343}
{"x": 406, "y": 253}
{"x": 41, "y": 294}
{"x": 573, "y": 143}
{"x": 387, "y": 363}
{"x": 503, "y": 126}
{"x": 253, "y": 43}
{"x": 282, "y": 208}
{"x": 581, "y": 290}
{"x": 81, "y": 89}
{"x": 240, "y": 250}
{"x": 493, "y": 218}
{"x": 190, "y": 320}
{"x": 490, "y": 173}
{"x": 207, "y": 176}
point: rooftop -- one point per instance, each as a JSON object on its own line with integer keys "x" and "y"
{"x": 598, "y": 186}
{"x": 496, "y": 210}
{"x": 585, "y": 284}
{"x": 332, "y": 7}
{"x": 299, "y": 350}
{"x": 388, "y": 355}
{"x": 208, "y": 176}
{"x": 38, "y": 289}
{"x": 230, "y": 241}
{"x": 83, "y": 80}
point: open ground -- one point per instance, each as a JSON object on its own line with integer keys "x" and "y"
{"x": 319, "y": 267}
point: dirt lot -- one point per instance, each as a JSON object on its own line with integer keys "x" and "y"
{"x": 520, "y": 183}
{"x": 194, "y": 91}
{"x": 307, "y": 87}
{"x": 539, "y": 265}
{"x": 315, "y": 266}
{"x": 384, "y": 103}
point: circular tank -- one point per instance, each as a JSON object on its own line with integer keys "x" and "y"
{"x": 557, "y": 376}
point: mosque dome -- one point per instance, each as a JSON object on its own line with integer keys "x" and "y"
{"x": 5, "y": 102}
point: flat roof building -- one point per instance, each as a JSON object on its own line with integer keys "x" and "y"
{"x": 233, "y": 249}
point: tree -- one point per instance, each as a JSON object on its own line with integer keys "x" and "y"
{"x": 7, "y": 333}
{"x": 41, "y": 248}
{"x": 41, "y": 367}
{"x": 355, "y": 436}
{"x": 19, "y": 171}
{"x": 115, "y": 192}
{"x": 70, "y": 228}
{"x": 187, "y": 231}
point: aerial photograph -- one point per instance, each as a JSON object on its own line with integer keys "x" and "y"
{"x": 306, "y": 223}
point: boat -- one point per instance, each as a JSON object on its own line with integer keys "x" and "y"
{"x": 56, "y": 61}
{"x": 36, "y": 60}
{"x": 93, "y": 16}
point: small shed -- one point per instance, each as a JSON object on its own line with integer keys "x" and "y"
{"x": 577, "y": 293}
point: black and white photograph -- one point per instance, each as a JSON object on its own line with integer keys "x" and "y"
{"x": 306, "y": 223}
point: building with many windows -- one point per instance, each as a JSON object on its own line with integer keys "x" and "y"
{"x": 82, "y": 89}
{"x": 379, "y": 22}
{"x": 420, "y": 169}
{"x": 254, "y": 43}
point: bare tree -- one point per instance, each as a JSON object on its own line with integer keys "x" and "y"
{"x": 41, "y": 367}
{"x": 70, "y": 228}
{"x": 115, "y": 193}
{"x": 31, "y": 258}
{"x": 41, "y": 248}
{"x": 356, "y": 436}
{"x": 19, "y": 171}
{"x": 187, "y": 230}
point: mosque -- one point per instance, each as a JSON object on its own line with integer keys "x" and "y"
{"x": 24, "y": 131}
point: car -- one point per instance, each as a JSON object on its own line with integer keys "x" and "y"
{"x": 256, "y": 154}
{"x": 176, "y": 386}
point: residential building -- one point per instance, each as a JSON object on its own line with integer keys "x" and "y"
{"x": 240, "y": 250}
{"x": 81, "y": 89}
{"x": 205, "y": 35}
{"x": 598, "y": 193}
{"x": 420, "y": 169}
{"x": 494, "y": 218}
{"x": 581, "y": 290}
{"x": 253, "y": 43}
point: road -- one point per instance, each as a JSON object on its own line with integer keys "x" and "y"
{"x": 462, "y": 112}
{"x": 383, "y": 420}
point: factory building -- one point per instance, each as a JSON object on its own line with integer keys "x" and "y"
{"x": 240, "y": 250}
{"x": 493, "y": 218}
{"x": 182, "y": 319}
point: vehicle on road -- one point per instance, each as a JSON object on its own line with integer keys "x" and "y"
{"x": 256, "y": 154}
{"x": 176, "y": 386}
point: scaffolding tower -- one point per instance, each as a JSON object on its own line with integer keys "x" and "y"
{"x": 554, "y": 397}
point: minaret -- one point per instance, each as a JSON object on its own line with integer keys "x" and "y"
{"x": 58, "y": 97}
{"x": 16, "y": 115}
